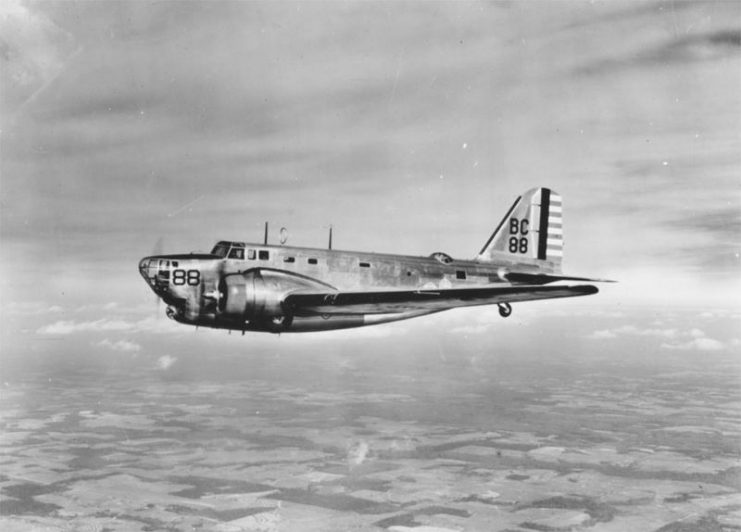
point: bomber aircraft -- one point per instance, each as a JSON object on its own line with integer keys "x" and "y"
{"x": 259, "y": 287}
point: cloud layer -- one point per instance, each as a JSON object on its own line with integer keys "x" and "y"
{"x": 693, "y": 339}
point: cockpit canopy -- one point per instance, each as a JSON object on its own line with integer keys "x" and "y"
{"x": 232, "y": 250}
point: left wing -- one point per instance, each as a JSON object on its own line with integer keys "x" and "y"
{"x": 313, "y": 303}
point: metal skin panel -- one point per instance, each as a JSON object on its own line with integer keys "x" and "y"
{"x": 297, "y": 289}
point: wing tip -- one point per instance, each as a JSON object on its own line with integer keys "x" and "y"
{"x": 587, "y": 289}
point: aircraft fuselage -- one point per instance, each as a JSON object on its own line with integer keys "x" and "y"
{"x": 189, "y": 283}
{"x": 243, "y": 287}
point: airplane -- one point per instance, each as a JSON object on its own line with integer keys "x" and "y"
{"x": 280, "y": 289}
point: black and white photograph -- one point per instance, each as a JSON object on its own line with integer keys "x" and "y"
{"x": 393, "y": 266}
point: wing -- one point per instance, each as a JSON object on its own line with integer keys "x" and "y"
{"x": 545, "y": 278}
{"x": 312, "y": 303}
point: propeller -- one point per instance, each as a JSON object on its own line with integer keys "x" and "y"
{"x": 157, "y": 250}
{"x": 158, "y": 245}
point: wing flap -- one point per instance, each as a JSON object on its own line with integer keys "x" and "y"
{"x": 304, "y": 303}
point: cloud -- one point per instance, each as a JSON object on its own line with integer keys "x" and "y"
{"x": 151, "y": 324}
{"x": 69, "y": 327}
{"x": 696, "y": 333}
{"x": 697, "y": 344}
{"x": 31, "y": 308}
{"x": 357, "y": 453}
{"x": 691, "y": 339}
{"x": 602, "y": 334}
{"x": 332, "y": 103}
{"x": 112, "y": 305}
{"x": 165, "y": 362}
{"x": 632, "y": 330}
{"x": 121, "y": 345}
{"x": 35, "y": 52}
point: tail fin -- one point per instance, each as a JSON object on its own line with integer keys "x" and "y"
{"x": 531, "y": 232}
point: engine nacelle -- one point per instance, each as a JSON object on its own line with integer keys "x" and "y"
{"x": 254, "y": 299}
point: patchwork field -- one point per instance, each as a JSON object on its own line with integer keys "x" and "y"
{"x": 530, "y": 444}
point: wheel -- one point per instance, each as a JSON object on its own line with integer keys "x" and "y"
{"x": 505, "y": 309}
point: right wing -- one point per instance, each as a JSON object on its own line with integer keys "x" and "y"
{"x": 325, "y": 303}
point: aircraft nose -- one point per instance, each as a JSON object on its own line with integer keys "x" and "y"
{"x": 148, "y": 270}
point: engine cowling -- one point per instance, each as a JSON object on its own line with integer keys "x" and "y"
{"x": 253, "y": 299}
{"x": 242, "y": 297}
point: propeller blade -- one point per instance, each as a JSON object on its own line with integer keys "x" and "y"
{"x": 158, "y": 246}
{"x": 157, "y": 250}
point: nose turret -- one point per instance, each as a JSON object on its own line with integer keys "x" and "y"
{"x": 156, "y": 272}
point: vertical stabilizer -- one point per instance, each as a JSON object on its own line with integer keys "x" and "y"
{"x": 531, "y": 232}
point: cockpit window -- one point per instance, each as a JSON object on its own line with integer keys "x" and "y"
{"x": 220, "y": 250}
{"x": 237, "y": 253}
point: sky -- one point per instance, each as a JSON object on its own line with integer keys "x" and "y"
{"x": 409, "y": 127}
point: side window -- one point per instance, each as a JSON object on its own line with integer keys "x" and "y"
{"x": 365, "y": 265}
{"x": 264, "y": 255}
{"x": 312, "y": 261}
{"x": 251, "y": 254}
{"x": 289, "y": 259}
{"x": 460, "y": 274}
{"x": 236, "y": 253}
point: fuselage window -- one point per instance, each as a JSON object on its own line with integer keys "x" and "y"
{"x": 174, "y": 264}
{"x": 365, "y": 264}
{"x": 312, "y": 261}
{"x": 460, "y": 274}
{"x": 264, "y": 255}
{"x": 289, "y": 259}
{"x": 237, "y": 253}
{"x": 251, "y": 254}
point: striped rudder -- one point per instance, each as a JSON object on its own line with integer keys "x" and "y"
{"x": 550, "y": 234}
{"x": 531, "y": 232}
